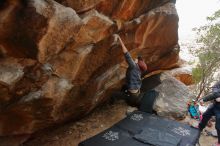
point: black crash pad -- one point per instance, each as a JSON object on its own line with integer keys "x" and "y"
{"x": 147, "y": 101}
{"x": 157, "y": 137}
{"x": 113, "y": 136}
{"x": 137, "y": 121}
{"x": 143, "y": 129}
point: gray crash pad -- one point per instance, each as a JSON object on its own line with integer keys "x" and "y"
{"x": 143, "y": 129}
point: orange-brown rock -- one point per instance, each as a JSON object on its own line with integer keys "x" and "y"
{"x": 59, "y": 59}
{"x": 183, "y": 74}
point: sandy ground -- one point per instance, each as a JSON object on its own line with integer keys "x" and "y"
{"x": 72, "y": 133}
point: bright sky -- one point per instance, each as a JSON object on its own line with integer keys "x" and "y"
{"x": 193, "y": 13}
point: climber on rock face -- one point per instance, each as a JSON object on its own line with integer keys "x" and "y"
{"x": 133, "y": 76}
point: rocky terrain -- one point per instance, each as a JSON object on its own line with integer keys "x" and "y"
{"x": 59, "y": 61}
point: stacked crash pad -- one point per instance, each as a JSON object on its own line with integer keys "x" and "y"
{"x": 143, "y": 129}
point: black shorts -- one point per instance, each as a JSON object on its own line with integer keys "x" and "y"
{"x": 133, "y": 99}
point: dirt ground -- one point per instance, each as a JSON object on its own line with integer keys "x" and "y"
{"x": 74, "y": 132}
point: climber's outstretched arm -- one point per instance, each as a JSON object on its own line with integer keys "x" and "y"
{"x": 124, "y": 49}
{"x": 128, "y": 57}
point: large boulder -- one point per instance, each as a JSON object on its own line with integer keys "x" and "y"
{"x": 58, "y": 60}
{"x": 173, "y": 98}
{"x": 173, "y": 95}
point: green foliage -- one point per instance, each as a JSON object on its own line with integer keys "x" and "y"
{"x": 209, "y": 53}
{"x": 215, "y": 16}
{"x": 197, "y": 74}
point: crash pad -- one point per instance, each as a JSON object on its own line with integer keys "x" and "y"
{"x": 156, "y": 137}
{"x": 113, "y": 136}
{"x": 144, "y": 129}
{"x": 147, "y": 101}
